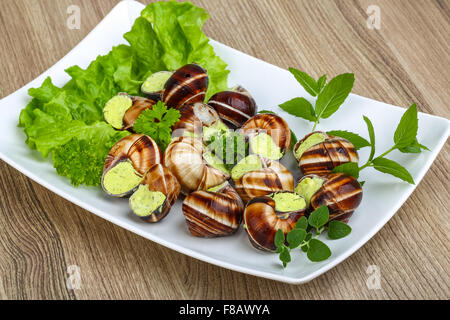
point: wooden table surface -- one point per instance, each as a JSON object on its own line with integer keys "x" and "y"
{"x": 406, "y": 60}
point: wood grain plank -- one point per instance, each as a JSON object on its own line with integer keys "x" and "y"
{"x": 42, "y": 234}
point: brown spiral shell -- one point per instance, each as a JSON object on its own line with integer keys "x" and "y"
{"x": 193, "y": 117}
{"x": 139, "y": 105}
{"x": 262, "y": 222}
{"x": 341, "y": 193}
{"x": 184, "y": 157}
{"x": 213, "y": 214}
{"x": 234, "y": 107}
{"x": 159, "y": 178}
{"x": 273, "y": 125}
{"x": 141, "y": 150}
{"x": 271, "y": 178}
{"x": 187, "y": 85}
{"x": 321, "y": 158}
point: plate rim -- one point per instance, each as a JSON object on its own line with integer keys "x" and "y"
{"x": 200, "y": 256}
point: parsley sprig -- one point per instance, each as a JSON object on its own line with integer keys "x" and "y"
{"x": 157, "y": 123}
{"x": 329, "y": 96}
{"x": 305, "y": 236}
{"x": 405, "y": 141}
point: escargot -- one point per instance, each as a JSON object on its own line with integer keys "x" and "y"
{"x": 319, "y": 153}
{"x": 122, "y": 110}
{"x": 127, "y": 162}
{"x": 153, "y": 86}
{"x": 198, "y": 120}
{"x": 256, "y": 176}
{"x": 269, "y": 135}
{"x": 156, "y": 194}
{"x": 263, "y": 216}
{"x": 234, "y": 107}
{"x": 186, "y": 85}
{"x": 194, "y": 167}
{"x": 341, "y": 193}
{"x": 213, "y": 213}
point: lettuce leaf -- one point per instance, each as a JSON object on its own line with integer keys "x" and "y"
{"x": 68, "y": 122}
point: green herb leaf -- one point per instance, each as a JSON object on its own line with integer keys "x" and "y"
{"x": 307, "y": 239}
{"x": 371, "y": 136}
{"x": 406, "y": 131}
{"x": 279, "y": 238}
{"x": 338, "y": 229}
{"x": 293, "y": 140}
{"x": 157, "y": 123}
{"x": 414, "y": 147}
{"x": 307, "y": 82}
{"x": 285, "y": 256}
{"x": 349, "y": 168}
{"x": 334, "y": 95}
{"x": 302, "y": 223}
{"x": 362, "y": 183}
{"x": 295, "y": 237}
{"x": 319, "y": 217}
{"x": 321, "y": 82}
{"x": 391, "y": 167}
{"x": 266, "y": 111}
{"x": 299, "y": 107}
{"x": 318, "y": 251}
{"x": 358, "y": 141}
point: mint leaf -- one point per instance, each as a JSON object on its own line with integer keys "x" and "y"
{"x": 293, "y": 140}
{"x": 321, "y": 82}
{"x": 406, "y": 131}
{"x": 349, "y": 168}
{"x": 285, "y": 256}
{"x": 334, "y": 95}
{"x": 299, "y": 107}
{"x": 295, "y": 237}
{"x": 318, "y": 251}
{"x": 371, "y": 136}
{"x": 307, "y": 82}
{"x": 391, "y": 167}
{"x": 357, "y": 141}
{"x": 302, "y": 223}
{"x": 338, "y": 229}
{"x": 279, "y": 238}
{"x": 319, "y": 217}
{"x": 414, "y": 147}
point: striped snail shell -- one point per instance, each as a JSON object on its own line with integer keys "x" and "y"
{"x": 213, "y": 213}
{"x": 272, "y": 177}
{"x": 324, "y": 156}
{"x": 193, "y": 117}
{"x": 187, "y": 85}
{"x": 127, "y": 162}
{"x": 184, "y": 156}
{"x": 341, "y": 193}
{"x": 139, "y": 105}
{"x": 157, "y": 179}
{"x": 272, "y": 125}
{"x": 262, "y": 221}
{"x": 234, "y": 107}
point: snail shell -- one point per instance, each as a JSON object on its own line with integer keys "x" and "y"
{"x": 159, "y": 178}
{"x": 234, "y": 107}
{"x": 262, "y": 222}
{"x": 139, "y": 150}
{"x": 213, "y": 214}
{"x": 341, "y": 193}
{"x": 139, "y": 105}
{"x": 271, "y": 178}
{"x": 187, "y": 85}
{"x": 323, "y": 157}
{"x": 184, "y": 157}
{"x": 192, "y": 119}
{"x": 273, "y": 125}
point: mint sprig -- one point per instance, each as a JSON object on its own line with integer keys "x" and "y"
{"x": 329, "y": 96}
{"x": 305, "y": 234}
{"x": 405, "y": 140}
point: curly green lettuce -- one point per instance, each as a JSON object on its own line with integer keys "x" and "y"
{"x": 67, "y": 123}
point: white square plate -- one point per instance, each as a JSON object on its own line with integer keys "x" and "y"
{"x": 270, "y": 85}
